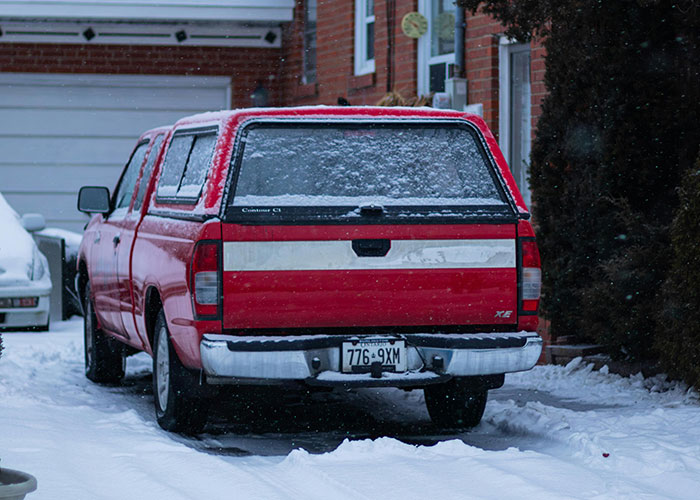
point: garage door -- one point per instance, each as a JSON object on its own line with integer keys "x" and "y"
{"x": 60, "y": 132}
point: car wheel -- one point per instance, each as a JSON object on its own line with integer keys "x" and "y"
{"x": 104, "y": 361}
{"x": 179, "y": 404}
{"x": 453, "y": 405}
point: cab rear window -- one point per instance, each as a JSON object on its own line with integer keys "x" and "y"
{"x": 334, "y": 169}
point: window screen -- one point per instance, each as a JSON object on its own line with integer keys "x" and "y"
{"x": 131, "y": 175}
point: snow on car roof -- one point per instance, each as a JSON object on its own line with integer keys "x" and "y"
{"x": 335, "y": 112}
{"x": 16, "y": 245}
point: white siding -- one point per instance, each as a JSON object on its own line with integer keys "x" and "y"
{"x": 60, "y": 132}
{"x": 161, "y": 10}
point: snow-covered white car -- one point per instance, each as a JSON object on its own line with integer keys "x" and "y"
{"x": 25, "y": 284}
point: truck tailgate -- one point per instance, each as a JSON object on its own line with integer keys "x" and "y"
{"x": 282, "y": 277}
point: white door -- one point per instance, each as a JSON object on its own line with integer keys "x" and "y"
{"x": 515, "y": 103}
{"x": 60, "y": 132}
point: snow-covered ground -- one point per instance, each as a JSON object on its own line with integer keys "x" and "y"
{"x": 553, "y": 432}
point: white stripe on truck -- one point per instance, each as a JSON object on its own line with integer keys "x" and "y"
{"x": 339, "y": 255}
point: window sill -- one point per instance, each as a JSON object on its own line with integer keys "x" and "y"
{"x": 357, "y": 82}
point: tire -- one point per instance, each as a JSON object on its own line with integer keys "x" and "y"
{"x": 104, "y": 361}
{"x": 178, "y": 398}
{"x": 452, "y": 405}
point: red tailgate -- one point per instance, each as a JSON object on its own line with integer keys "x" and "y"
{"x": 311, "y": 276}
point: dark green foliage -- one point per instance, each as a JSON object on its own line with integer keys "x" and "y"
{"x": 678, "y": 341}
{"x": 621, "y": 121}
{"x": 622, "y": 302}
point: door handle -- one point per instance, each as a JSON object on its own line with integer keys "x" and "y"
{"x": 117, "y": 239}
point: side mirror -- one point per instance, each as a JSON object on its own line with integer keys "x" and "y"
{"x": 33, "y": 222}
{"x": 93, "y": 200}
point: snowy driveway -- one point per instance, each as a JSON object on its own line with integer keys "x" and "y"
{"x": 550, "y": 433}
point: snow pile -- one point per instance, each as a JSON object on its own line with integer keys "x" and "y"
{"x": 553, "y": 432}
{"x": 604, "y": 387}
{"x": 16, "y": 247}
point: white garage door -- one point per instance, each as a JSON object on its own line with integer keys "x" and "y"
{"x": 60, "y": 132}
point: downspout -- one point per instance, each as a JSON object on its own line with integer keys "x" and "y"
{"x": 390, "y": 27}
{"x": 460, "y": 29}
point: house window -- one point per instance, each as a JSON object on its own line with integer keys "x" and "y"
{"x": 364, "y": 37}
{"x": 309, "y": 42}
{"x": 436, "y": 48}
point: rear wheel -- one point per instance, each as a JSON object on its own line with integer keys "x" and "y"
{"x": 454, "y": 405}
{"x": 104, "y": 361}
{"x": 179, "y": 402}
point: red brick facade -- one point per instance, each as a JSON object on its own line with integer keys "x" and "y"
{"x": 335, "y": 41}
{"x": 245, "y": 66}
{"x": 280, "y": 70}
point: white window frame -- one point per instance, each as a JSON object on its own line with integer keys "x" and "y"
{"x": 425, "y": 60}
{"x": 363, "y": 65}
{"x": 505, "y": 47}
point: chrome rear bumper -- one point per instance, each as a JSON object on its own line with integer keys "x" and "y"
{"x": 315, "y": 359}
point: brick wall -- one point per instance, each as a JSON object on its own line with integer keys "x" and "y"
{"x": 245, "y": 66}
{"x": 335, "y": 52}
{"x": 335, "y": 56}
{"x": 481, "y": 53}
{"x": 281, "y": 69}
{"x": 537, "y": 69}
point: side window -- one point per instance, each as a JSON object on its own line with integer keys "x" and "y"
{"x": 147, "y": 171}
{"x": 186, "y": 165}
{"x": 122, "y": 197}
{"x": 174, "y": 165}
{"x": 197, "y": 166}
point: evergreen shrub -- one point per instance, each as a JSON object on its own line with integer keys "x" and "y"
{"x": 619, "y": 123}
{"x": 678, "y": 341}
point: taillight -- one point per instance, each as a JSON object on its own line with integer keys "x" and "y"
{"x": 531, "y": 282}
{"x": 206, "y": 279}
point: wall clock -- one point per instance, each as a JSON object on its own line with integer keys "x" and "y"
{"x": 414, "y": 25}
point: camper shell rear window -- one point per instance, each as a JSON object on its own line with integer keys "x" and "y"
{"x": 363, "y": 172}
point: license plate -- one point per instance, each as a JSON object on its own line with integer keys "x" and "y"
{"x": 358, "y": 356}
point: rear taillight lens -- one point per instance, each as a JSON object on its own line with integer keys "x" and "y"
{"x": 531, "y": 282}
{"x": 206, "y": 279}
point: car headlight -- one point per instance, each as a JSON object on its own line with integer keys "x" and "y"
{"x": 38, "y": 265}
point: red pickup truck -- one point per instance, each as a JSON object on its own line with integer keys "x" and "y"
{"x": 318, "y": 246}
